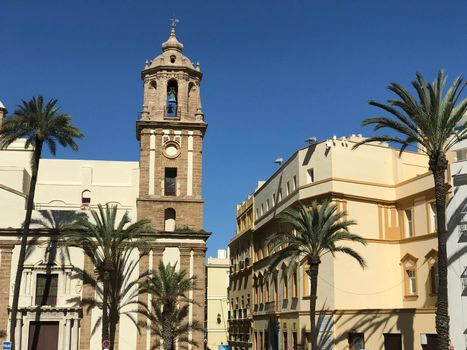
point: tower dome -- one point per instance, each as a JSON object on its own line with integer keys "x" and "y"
{"x": 172, "y": 43}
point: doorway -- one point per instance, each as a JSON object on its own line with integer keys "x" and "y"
{"x": 43, "y": 336}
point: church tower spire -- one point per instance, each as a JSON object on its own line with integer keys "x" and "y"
{"x": 171, "y": 131}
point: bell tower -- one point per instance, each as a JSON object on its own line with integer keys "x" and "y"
{"x": 171, "y": 131}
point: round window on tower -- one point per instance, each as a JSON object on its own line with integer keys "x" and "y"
{"x": 171, "y": 149}
{"x": 173, "y": 58}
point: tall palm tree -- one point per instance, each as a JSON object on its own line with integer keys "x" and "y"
{"x": 109, "y": 244}
{"x": 434, "y": 120}
{"x": 316, "y": 232}
{"x": 170, "y": 306}
{"x": 38, "y": 123}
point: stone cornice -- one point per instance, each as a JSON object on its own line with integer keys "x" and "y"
{"x": 169, "y": 124}
{"x": 188, "y": 70}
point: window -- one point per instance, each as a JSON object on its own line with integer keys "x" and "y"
{"x": 392, "y": 341}
{"x": 285, "y": 341}
{"x": 285, "y": 292}
{"x": 46, "y": 289}
{"x": 279, "y": 197}
{"x": 262, "y": 209}
{"x": 169, "y": 219}
{"x": 287, "y": 188}
{"x": 310, "y": 176}
{"x": 268, "y": 297}
{"x": 172, "y": 92}
{"x": 461, "y": 154}
{"x": 408, "y": 223}
{"x": 170, "y": 184}
{"x": 294, "y": 340}
{"x": 433, "y": 217}
{"x": 294, "y": 183}
{"x": 409, "y": 267}
{"x": 434, "y": 279}
{"x": 411, "y": 282}
{"x": 267, "y": 205}
{"x": 257, "y": 212}
{"x": 356, "y": 341}
{"x": 273, "y": 199}
{"x": 85, "y": 199}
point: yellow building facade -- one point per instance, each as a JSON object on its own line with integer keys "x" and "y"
{"x": 390, "y": 304}
{"x": 217, "y": 273}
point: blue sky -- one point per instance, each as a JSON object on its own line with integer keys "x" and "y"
{"x": 275, "y": 73}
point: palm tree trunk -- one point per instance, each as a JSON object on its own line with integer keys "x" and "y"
{"x": 105, "y": 306}
{"x": 438, "y": 166}
{"x": 113, "y": 322}
{"x": 313, "y": 275}
{"x": 24, "y": 239}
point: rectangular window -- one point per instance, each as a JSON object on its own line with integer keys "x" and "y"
{"x": 461, "y": 154}
{"x": 356, "y": 341}
{"x": 287, "y": 188}
{"x": 170, "y": 184}
{"x": 408, "y": 222}
{"x": 46, "y": 289}
{"x": 279, "y": 197}
{"x": 433, "y": 217}
{"x": 285, "y": 292}
{"x": 294, "y": 285}
{"x": 262, "y": 209}
{"x": 294, "y": 183}
{"x": 285, "y": 341}
{"x": 267, "y": 205}
{"x": 310, "y": 176}
{"x": 273, "y": 199}
{"x": 294, "y": 340}
{"x": 392, "y": 341}
{"x": 412, "y": 282}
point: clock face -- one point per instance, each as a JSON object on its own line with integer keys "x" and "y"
{"x": 171, "y": 150}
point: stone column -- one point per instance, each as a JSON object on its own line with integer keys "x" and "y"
{"x": 5, "y": 271}
{"x": 74, "y": 338}
{"x": 199, "y": 295}
{"x": 67, "y": 333}
{"x": 157, "y": 252}
{"x": 19, "y": 327}
{"x": 142, "y": 298}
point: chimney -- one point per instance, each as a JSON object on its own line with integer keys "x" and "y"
{"x": 3, "y": 112}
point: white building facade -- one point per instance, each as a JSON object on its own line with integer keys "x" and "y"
{"x": 457, "y": 249}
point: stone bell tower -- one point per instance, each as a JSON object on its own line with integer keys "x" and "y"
{"x": 171, "y": 131}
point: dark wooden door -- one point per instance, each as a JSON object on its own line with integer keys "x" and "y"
{"x": 392, "y": 341}
{"x": 43, "y": 336}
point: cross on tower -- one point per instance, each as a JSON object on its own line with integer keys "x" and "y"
{"x": 174, "y": 22}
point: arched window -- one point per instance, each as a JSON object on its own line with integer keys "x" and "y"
{"x": 85, "y": 199}
{"x": 169, "y": 219}
{"x": 172, "y": 98}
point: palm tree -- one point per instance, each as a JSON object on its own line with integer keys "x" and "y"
{"x": 434, "y": 121}
{"x": 170, "y": 306}
{"x": 38, "y": 123}
{"x": 109, "y": 245}
{"x": 316, "y": 232}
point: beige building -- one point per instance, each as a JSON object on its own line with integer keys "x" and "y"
{"x": 164, "y": 187}
{"x": 390, "y": 304}
{"x": 217, "y": 272}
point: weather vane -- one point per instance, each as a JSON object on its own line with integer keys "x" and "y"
{"x": 174, "y": 22}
